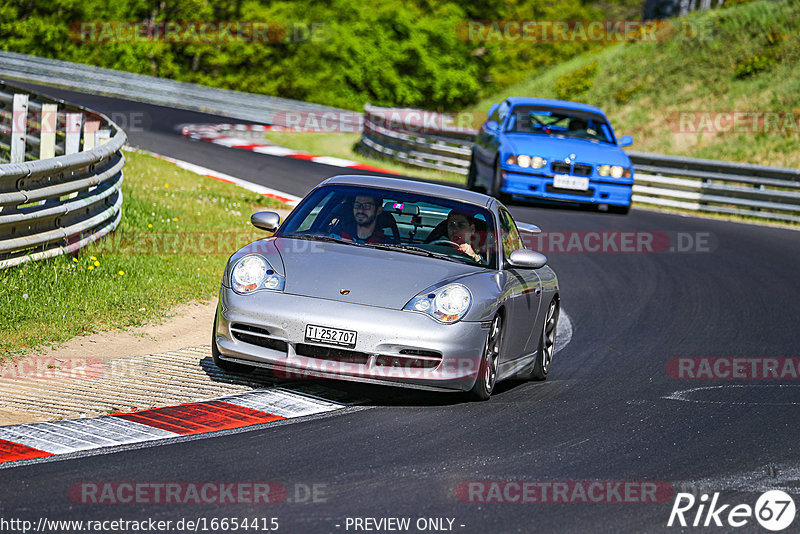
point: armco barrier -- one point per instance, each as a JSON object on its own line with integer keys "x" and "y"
{"x": 701, "y": 185}
{"x": 72, "y": 196}
{"x": 152, "y": 90}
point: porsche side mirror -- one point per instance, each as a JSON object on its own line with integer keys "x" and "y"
{"x": 523, "y": 258}
{"x": 266, "y": 220}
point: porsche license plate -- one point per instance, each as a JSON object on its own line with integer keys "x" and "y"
{"x": 565, "y": 181}
{"x": 331, "y": 336}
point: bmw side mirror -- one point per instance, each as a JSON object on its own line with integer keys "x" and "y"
{"x": 491, "y": 126}
{"x": 625, "y": 140}
{"x": 492, "y": 109}
{"x": 266, "y": 220}
{"x": 527, "y": 259}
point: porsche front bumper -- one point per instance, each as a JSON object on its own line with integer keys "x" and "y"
{"x": 394, "y": 347}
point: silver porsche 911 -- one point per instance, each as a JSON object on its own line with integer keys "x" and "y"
{"x": 390, "y": 281}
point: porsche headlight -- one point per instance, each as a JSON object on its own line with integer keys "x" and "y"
{"x": 447, "y": 304}
{"x": 253, "y": 272}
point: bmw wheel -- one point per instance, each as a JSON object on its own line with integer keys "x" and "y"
{"x": 472, "y": 173}
{"x": 547, "y": 342}
{"x": 490, "y": 361}
{"x": 497, "y": 183}
{"x": 621, "y": 210}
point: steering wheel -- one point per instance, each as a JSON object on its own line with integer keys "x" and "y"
{"x": 444, "y": 241}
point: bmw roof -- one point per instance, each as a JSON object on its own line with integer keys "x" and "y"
{"x": 414, "y": 186}
{"x": 550, "y": 102}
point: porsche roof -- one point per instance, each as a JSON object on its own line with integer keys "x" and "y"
{"x": 413, "y": 186}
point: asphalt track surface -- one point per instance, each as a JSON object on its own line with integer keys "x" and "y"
{"x": 601, "y": 416}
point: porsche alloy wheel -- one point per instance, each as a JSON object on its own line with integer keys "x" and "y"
{"x": 547, "y": 342}
{"x": 490, "y": 361}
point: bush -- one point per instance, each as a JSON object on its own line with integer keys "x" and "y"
{"x": 572, "y": 85}
{"x": 754, "y": 65}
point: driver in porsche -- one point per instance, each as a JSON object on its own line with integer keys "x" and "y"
{"x": 461, "y": 231}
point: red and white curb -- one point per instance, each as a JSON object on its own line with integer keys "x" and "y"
{"x": 280, "y": 196}
{"x": 43, "y": 440}
{"x": 220, "y": 134}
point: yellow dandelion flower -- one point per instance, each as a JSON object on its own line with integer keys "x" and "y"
{"x": 149, "y": 225}
{"x": 175, "y": 219}
{"x": 91, "y": 267}
{"x": 121, "y": 273}
{"x": 74, "y": 260}
{"x": 97, "y": 264}
{"x": 166, "y": 185}
{"x": 93, "y": 258}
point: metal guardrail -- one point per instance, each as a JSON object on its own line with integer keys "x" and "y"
{"x": 59, "y": 204}
{"x": 701, "y": 185}
{"x": 152, "y": 90}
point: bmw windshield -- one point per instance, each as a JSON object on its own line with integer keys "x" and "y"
{"x": 560, "y": 122}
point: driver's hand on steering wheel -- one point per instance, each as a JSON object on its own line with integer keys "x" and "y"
{"x": 467, "y": 249}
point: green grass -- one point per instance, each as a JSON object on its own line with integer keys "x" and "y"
{"x": 176, "y": 234}
{"x": 743, "y": 58}
{"x": 341, "y": 145}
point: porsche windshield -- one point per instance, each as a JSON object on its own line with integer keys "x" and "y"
{"x": 559, "y": 122}
{"x": 396, "y": 220}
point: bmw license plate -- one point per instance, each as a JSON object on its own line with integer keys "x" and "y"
{"x": 565, "y": 181}
{"x": 331, "y": 336}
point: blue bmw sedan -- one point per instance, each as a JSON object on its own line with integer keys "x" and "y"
{"x": 552, "y": 150}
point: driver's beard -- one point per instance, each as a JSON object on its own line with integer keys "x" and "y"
{"x": 367, "y": 222}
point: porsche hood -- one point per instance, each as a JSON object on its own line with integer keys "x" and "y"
{"x": 361, "y": 275}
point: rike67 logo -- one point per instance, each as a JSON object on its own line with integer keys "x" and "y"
{"x": 774, "y": 510}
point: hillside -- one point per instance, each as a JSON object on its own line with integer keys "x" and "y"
{"x": 721, "y": 84}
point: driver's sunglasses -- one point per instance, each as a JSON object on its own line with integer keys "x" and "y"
{"x": 366, "y": 206}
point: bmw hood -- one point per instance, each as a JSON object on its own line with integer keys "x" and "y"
{"x": 361, "y": 275}
{"x": 557, "y": 148}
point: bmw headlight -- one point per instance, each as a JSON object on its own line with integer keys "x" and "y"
{"x": 615, "y": 171}
{"x": 525, "y": 161}
{"x": 253, "y": 272}
{"x": 537, "y": 162}
{"x": 447, "y": 304}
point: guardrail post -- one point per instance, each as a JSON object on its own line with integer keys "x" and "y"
{"x": 72, "y": 142}
{"x": 102, "y": 137}
{"x": 90, "y": 134}
{"x": 47, "y": 139}
{"x": 19, "y": 127}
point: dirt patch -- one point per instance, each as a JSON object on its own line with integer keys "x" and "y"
{"x": 187, "y": 325}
